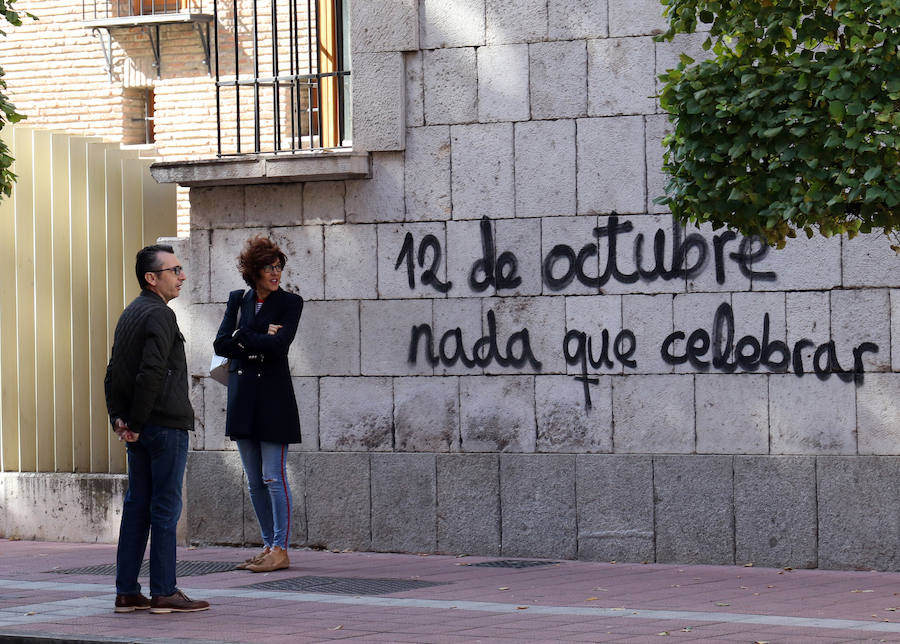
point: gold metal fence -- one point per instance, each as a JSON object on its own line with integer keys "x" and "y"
{"x": 79, "y": 212}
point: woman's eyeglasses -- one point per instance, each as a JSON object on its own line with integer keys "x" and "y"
{"x": 272, "y": 268}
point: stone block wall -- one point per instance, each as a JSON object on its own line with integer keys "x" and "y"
{"x": 508, "y": 349}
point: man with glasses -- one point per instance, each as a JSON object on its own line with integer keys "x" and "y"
{"x": 147, "y": 398}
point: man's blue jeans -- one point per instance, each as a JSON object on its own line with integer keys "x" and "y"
{"x": 156, "y": 464}
{"x": 270, "y": 494}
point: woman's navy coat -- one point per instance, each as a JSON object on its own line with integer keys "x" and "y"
{"x": 261, "y": 402}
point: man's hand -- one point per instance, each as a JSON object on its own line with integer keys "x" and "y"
{"x": 273, "y": 328}
{"x": 122, "y": 431}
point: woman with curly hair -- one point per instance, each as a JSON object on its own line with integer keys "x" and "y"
{"x": 256, "y": 333}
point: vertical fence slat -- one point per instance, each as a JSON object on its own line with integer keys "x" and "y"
{"x": 81, "y": 332}
{"x": 25, "y": 296}
{"x": 9, "y": 341}
{"x": 43, "y": 305}
{"x": 62, "y": 303}
{"x": 97, "y": 292}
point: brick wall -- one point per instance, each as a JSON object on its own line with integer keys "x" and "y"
{"x": 55, "y": 72}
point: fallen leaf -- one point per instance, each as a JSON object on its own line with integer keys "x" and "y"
{"x": 336, "y": 628}
{"x": 503, "y": 588}
{"x": 788, "y": 568}
{"x": 743, "y": 588}
{"x": 602, "y": 590}
{"x": 686, "y": 629}
{"x": 30, "y": 613}
{"x": 761, "y": 642}
{"x": 722, "y": 604}
{"x": 748, "y": 564}
{"x": 591, "y": 599}
{"x": 862, "y": 591}
{"x": 663, "y": 633}
{"x": 521, "y": 607}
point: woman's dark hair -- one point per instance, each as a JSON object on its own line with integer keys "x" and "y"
{"x": 259, "y": 251}
{"x": 148, "y": 260}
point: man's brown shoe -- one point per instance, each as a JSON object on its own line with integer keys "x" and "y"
{"x": 277, "y": 559}
{"x": 177, "y": 602}
{"x": 131, "y": 603}
{"x": 254, "y": 559}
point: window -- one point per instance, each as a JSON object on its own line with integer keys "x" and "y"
{"x": 282, "y": 79}
{"x": 137, "y": 111}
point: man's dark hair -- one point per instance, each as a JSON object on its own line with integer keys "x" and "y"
{"x": 148, "y": 260}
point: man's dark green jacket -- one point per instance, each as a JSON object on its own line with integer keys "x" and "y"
{"x": 146, "y": 379}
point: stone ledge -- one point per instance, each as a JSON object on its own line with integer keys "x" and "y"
{"x": 319, "y": 165}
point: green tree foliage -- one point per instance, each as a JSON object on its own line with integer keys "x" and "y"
{"x": 793, "y": 124}
{"x": 8, "y": 112}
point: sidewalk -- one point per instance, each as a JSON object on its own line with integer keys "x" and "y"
{"x": 52, "y": 592}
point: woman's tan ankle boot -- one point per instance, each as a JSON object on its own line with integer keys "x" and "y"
{"x": 254, "y": 559}
{"x": 277, "y": 559}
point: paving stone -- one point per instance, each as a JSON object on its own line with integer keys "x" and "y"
{"x": 611, "y": 167}
{"x": 426, "y": 414}
{"x": 694, "y": 509}
{"x": 497, "y": 414}
{"x": 615, "y": 507}
{"x": 385, "y": 337}
{"x": 356, "y": 414}
{"x": 859, "y": 515}
{"x": 732, "y": 414}
{"x": 618, "y": 82}
{"x": 775, "y": 511}
{"x": 811, "y": 416}
{"x": 878, "y": 414}
{"x": 867, "y": 260}
{"x": 427, "y": 179}
{"x": 512, "y": 21}
{"x": 558, "y": 79}
{"x": 460, "y": 24}
{"x": 384, "y": 26}
{"x": 277, "y": 204}
{"x": 574, "y": 19}
{"x": 403, "y": 502}
{"x": 636, "y": 18}
{"x": 564, "y": 422}
{"x": 338, "y": 507}
{"x": 503, "y": 83}
{"x": 654, "y": 414}
{"x": 215, "y": 518}
{"x": 378, "y": 117}
{"x": 327, "y": 342}
{"x": 482, "y": 164}
{"x": 468, "y": 504}
{"x": 451, "y": 85}
{"x": 545, "y": 168}
{"x": 379, "y": 198}
{"x": 537, "y": 501}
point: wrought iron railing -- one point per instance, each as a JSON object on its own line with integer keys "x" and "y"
{"x": 100, "y": 9}
{"x": 282, "y": 76}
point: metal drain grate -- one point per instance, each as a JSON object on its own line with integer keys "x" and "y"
{"x": 512, "y": 563}
{"x": 344, "y": 585}
{"x": 182, "y": 568}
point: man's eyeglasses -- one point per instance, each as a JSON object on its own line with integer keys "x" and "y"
{"x": 178, "y": 270}
{"x": 272, "y": 268}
